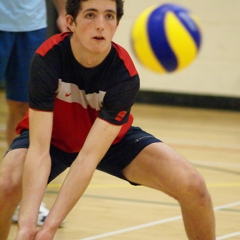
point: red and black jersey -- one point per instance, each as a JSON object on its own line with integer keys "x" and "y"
{"x": 78, "y": 95}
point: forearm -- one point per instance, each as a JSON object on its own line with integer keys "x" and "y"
{"x": 60, "y": 6}
{"x": 81, "y": 172}
{"x": 61, "y": 20}
{"x": 72, "y": 189}
{"x": 35, "y": 176}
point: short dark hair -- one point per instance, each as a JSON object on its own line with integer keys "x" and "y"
{"x": 74, "y": 6}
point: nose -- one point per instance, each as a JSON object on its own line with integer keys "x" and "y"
{"x": 100, "y": 23}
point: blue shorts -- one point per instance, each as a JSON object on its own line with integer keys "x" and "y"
{"x": 16, "y": 52}
{"x": 115, "y": 160}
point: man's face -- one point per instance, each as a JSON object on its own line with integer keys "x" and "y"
{"x": 95, "y": 25}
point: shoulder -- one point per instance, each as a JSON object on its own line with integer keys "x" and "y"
{"x": 125, "y": 57}
{"x": 51, "y": 42}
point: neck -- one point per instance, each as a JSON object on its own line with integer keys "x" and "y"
{"x": 90, "y": 60}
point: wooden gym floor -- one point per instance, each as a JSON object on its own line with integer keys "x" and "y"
{"x": 112, "y": 209}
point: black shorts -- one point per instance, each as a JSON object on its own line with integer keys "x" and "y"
{"x": 116, "y": 159}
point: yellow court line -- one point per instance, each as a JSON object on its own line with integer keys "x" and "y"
{"x": 56, "y": 185}
{"x": 231, "y": 184}
{"x": 213, "y": 185}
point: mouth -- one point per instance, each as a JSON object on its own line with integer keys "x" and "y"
{"x": 99, "y": 38}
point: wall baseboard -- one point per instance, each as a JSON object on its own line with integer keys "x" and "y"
{"x": 189, "y": 100}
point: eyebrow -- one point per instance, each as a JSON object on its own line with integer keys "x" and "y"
{"x": 95, "y": 10}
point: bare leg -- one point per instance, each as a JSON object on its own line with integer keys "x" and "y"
{"x": 16, "y": 111}
{"x": 11, "y": 169}
{"x": 160, "y": 167}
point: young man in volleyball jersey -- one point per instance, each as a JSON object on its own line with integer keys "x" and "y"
{"x": 82, "y": 88}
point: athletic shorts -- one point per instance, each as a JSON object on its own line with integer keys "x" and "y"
{"x": 115, "y": 160}
{"x": 16, "y": 52}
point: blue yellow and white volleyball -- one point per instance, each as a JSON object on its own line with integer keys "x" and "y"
{"x": 166, "y": 38}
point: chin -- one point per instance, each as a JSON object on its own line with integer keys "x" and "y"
{"x": 99, "y": 50}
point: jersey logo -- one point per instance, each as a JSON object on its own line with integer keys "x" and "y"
{"x": 67, "y": 94}
{"x": 120, "y": 116}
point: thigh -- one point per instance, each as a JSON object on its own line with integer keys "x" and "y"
{"x": 17, "y": 151}
{"x": 18, "y": 68}
{"x": 121, "y": 154}
{"x": 160, "y": 167}
{"x": 60, "y": 161}
{"x": 15, "y": 156}
{"x": 11, "y": 167}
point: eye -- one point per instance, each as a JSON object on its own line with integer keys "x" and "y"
{"x": 110, "y": 16}
{"x": 90, "y": 15}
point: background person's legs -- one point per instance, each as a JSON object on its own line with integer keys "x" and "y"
{"x": 17, "y": 75}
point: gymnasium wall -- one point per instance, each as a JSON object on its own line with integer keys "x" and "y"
{"x": 214, "y": 75}
{"x": 216, "y": 71}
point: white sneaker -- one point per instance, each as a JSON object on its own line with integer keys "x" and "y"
{"x": 42, "y": 214}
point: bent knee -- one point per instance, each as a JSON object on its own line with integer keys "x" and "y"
{"x": 11, "y": 170}
{"x": 195, "y": 189}
{"x": 10, "y": 187}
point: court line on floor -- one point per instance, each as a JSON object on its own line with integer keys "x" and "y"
{"x": 134, "y": 200}
{"x": 133, "y": 228}
{"x": 228, "y": 236}
{"x": 215, "y": 164}
{"x": 124, "y": 230}
{"x": 122, "y": 185}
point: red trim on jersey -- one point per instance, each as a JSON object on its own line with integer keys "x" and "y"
{"x": 24, "y": 124}
{"x": 123, "y": 54}
{"x": 125, "y": 127}
{"x": 120, "y": 116}
{"x": 48, "y": 44}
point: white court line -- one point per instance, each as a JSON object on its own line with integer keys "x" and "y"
{"x": 215, "y": 164}
{"x": 227, "y": 206}
{"x": 132, "y": 228}
{"x": 228, "y": 236}
{"x": 124, "y": 230}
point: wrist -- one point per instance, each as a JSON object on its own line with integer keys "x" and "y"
{"x": 26, "y": 232}
{"x": 50, "y": 226}
{"x": 44, "y": 234}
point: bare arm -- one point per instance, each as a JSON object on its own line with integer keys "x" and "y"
{"x": 36, "y": 171}
{"x": 96, "y": 145}
{"x": 61, "y": 20}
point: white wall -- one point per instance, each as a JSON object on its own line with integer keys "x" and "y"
{"x": 216, "y": 71}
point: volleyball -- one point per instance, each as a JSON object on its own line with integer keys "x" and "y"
{"x": 166, "y": 38}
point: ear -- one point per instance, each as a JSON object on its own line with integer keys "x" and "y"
{"x": 70, "y": 22}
